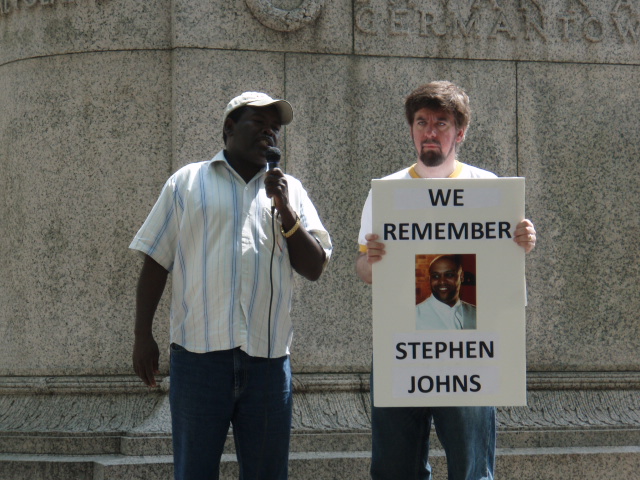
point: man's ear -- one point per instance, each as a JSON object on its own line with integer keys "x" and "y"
{"x": 228, "y": 127}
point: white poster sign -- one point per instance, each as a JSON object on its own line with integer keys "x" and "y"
{"x": 449, "y": 295}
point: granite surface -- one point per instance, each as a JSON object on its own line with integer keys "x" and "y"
{"x": 321, "y": 26}
{"x": 34, "y": 28}
{"x": 86, "y": 144}
{"x": 554, "y": 30}
{"x": 578, "y": 148}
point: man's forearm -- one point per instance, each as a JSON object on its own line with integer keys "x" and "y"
{"x": 151, "y": 283}
{"x": 364, "y": 268}
{"x": 146, "y": 355}
{"x": 305, "y": 254}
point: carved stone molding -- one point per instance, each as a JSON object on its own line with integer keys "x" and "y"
{"x": 285, "y": 20}
{"x": 583, "y": 381}
{"x": 573, "y": 409}
{"x": 77, "y": 385}
{"x": 324, "y": 403}
{"x": 302, "y": 383}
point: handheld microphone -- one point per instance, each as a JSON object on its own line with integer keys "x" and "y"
{"x": 273, "y": 157}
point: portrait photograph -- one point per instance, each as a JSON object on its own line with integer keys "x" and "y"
{"x": 445, "y": 292}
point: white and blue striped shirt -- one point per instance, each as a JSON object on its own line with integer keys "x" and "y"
{"x": 212, "y": 231}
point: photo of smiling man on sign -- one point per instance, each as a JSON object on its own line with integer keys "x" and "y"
{"x": 444, "y": 309}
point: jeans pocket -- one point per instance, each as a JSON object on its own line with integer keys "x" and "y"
{"x": 174, "y": 347}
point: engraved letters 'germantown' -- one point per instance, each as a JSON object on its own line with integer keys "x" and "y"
{"x": 525, "y": 20}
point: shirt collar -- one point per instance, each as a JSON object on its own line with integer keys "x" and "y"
{"x": 441, "y": 306}
{"x": 221, "y": 158}
{"x": 456, "y": 171}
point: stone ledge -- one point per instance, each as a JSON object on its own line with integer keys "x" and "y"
{"x": 70, "y": 385}
{"x": 583, "y": 381}
{"x": 522, "y": 463}
{"x": 302, "y": 382}
{"x": 119, "y": 415}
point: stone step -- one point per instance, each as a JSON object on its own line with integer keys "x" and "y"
{"x": 584, "y": 463}
{"x": 85, "y": 443}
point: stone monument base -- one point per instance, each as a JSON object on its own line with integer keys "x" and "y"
{"x": 576, "y": 426}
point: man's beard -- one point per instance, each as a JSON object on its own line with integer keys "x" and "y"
{"x": 432, "y": 158}
{"x": 435, "y": 158}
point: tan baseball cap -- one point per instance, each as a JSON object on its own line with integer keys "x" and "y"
{"x": 258, "y": 99}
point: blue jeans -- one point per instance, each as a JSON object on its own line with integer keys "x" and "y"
{"x": 400, "y": 437}
{"x": 210, "y": 391}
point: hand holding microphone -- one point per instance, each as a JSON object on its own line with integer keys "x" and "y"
{"x": 275, "y": 184}
{"x": 273, "y": 156}
{"x": 274, "y": 181}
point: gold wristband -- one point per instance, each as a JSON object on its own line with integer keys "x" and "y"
{"x": 293, "y": 230}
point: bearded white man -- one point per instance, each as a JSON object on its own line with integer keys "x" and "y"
{"x": 438, "y": 116}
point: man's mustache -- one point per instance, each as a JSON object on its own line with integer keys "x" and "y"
{"x": 270, "y": 139}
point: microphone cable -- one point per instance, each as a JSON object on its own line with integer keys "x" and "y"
{"x": 273, "y": 158}
{"x": 273, "y": 155}
{"x": 273, "y": 249}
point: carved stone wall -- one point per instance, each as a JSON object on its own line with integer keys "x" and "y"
{"x": 102, "y": 99}
{"x": 113, "y": 415}
{"x": 531, "y": 30}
